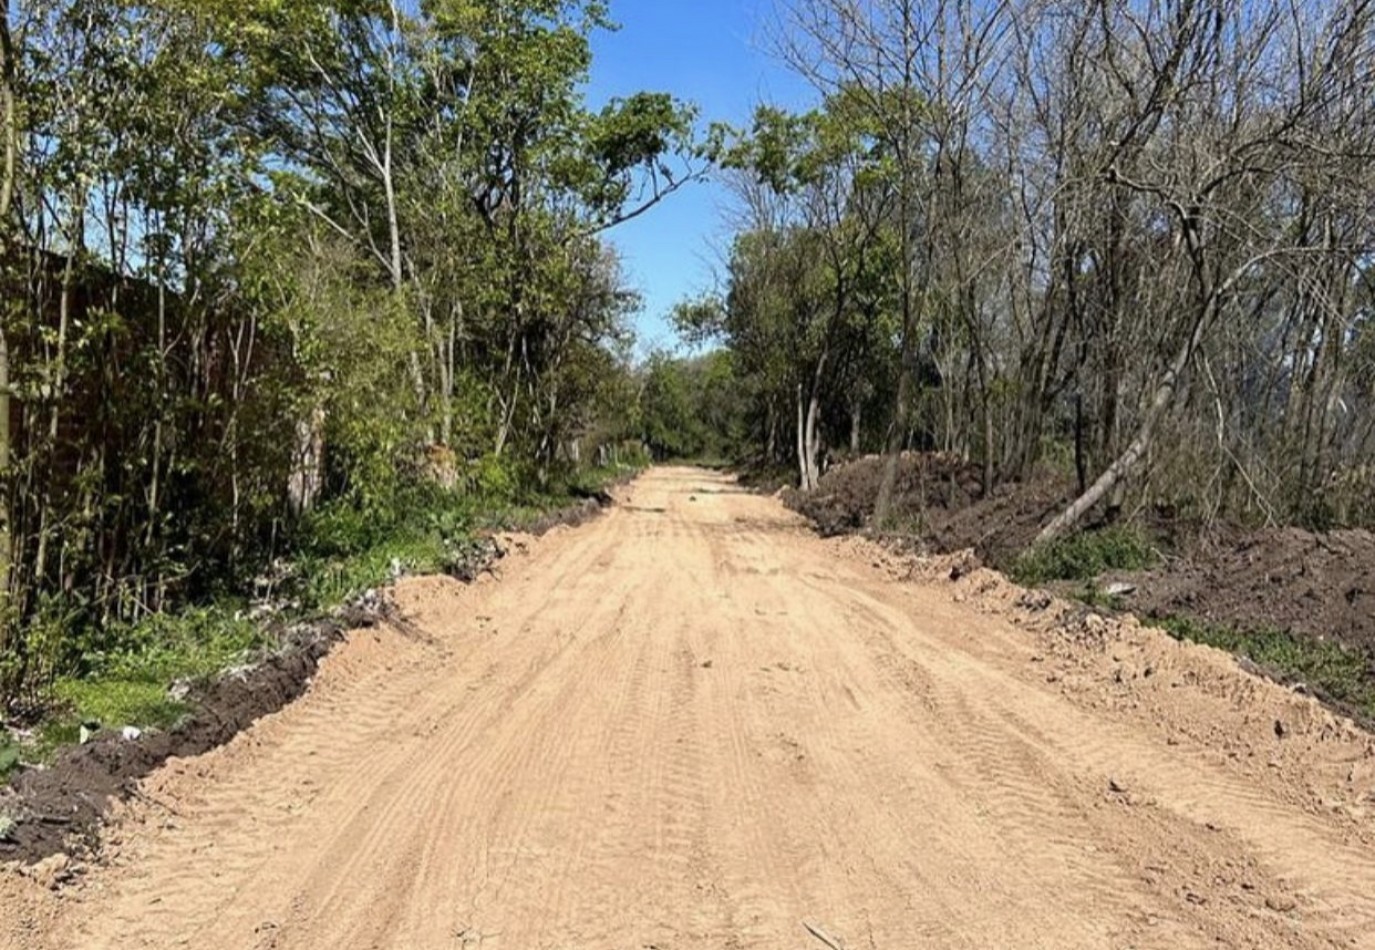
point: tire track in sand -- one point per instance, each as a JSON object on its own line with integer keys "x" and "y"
{"x": 691, "y": 724}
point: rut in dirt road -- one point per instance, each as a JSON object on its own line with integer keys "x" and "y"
{"x": 693, "y": 724}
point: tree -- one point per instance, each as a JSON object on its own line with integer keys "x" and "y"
{"x": 1125, "y": 239}
{"x": 265, "y": 257}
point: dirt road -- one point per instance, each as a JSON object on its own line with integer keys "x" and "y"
{"x": 693, "y": 724}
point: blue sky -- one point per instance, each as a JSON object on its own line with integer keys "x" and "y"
{"x": 712, "y": 53}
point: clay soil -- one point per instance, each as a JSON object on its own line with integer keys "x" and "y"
{"x": 694, "y": 723}
{"x": 57, "y": 810}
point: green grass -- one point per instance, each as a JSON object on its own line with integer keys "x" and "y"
{"x": 1330, "y": 670}
{"x": 126, "y": 672}
{"x": 346, "y": 552}
{"x": 112, "y": 703}
{"x": 1085, "y": 556}
{"x": 11, "y": 757}
{"x": 191, "y": 644}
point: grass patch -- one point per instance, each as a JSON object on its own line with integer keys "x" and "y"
{"x": 345, "y": 551}
{"x": 192, "y": 644}
{"x": 1329, "y": 669}
{"x": 11, "y": 757}
{"x": 127, "y": 670}
{"x": 112, "y": 703}
{"x": 1085, "y": 556}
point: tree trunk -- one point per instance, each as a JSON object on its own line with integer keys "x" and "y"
{"x": 308, "y": 466}
{"x": 1140, "y": 444}
{"x": 7, "y": 189}
{"x": 812, "y": 442}
{"x": 771, "y": 439}
{"x": 897, "y": 433}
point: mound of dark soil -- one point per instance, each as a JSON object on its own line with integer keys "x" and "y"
{"x": 939, "y": 501}
{"x": 1320, "y": 585}
{"x": 1001, "y": 526}
{"x": 844, "y": 500}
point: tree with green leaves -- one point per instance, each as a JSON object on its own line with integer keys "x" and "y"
{"x": 262, "y": 257}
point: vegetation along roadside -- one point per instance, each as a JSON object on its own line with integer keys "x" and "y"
{"x": 193, "y": 679}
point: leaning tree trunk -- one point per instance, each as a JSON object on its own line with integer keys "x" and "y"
{"x": 1126, "y": 463}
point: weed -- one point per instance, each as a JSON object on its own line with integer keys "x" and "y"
{"x": 114, "y": 703}
{"x": 1082, "y": 557}
{"x": 10, "y": 760}
{"x": 192, "y": 644}
{"x": 119, "y": 703}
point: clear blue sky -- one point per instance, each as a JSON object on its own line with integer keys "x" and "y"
{"x": 712, "y": 53}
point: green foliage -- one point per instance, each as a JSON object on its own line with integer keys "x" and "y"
{"x": 115, "y": 703}
{"x": 122, "y": 673}
{"x": 1329, "y": 669}
{"x": 693, "y": 408}
{"x": 346, "y": 549}
{"x": 10, "y": 760}
{"x": 1085, "y": 556}
{"x": 325, "y": 582}
{"x": 341, "y": 528}
{"x": 193, "y": 643}
{"x": 356, "y": 252}
{"x": 125, "y": 671}
{"x": 496, "y": 478}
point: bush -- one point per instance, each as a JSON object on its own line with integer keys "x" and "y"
{"x": 1084, "y": 556}
{"x": 496, "y": 478}
{"x": 341, "y": 528}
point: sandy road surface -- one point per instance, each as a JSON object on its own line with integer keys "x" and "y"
{"x": 692, "y": 724}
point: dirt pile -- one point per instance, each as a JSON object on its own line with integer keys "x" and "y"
{"x": 1321, "y": 585}
{"x": 1288, "y": 579}
{"x": 939, "y": 500}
